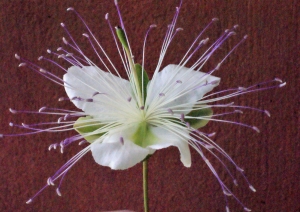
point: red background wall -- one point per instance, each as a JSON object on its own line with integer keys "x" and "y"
{"x": 270, "y": 159}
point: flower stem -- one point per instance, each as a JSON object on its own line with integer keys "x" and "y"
{"x": 145, "y": 184}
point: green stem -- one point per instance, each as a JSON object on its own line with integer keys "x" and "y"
{"x": 145, "y": 184}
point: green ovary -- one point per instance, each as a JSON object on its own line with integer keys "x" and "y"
{"x": 143, "y": 136}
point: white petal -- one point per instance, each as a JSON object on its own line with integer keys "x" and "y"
{"x": 116, "y": 154}
{"x": 167, "y": 138}
{"x": 85, "y": 82}
{"x": 181, "y": 87}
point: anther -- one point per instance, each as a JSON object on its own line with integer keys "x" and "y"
{"x": 62, "y": 24}
{"x": 50, "y": 181}
{"x": 61, "y": 99}
{"x": 59, "y": 49}
{"x": 205, "y": 40}
{"x": 59, "y": 119}
{"x": 227, "y": 193}
{"x": 242, "y": 88}
{"x": 89, "y": 100}
{"x": 22, "y": 64}
{"x": 129, "y": 99}
{"x": 247, "y": 209}
{"x": 214, "y": 82}
{"x": 122, "y": 140}
{"x": 66, "y": 116}
{"x": 211, "y": 134}
{"x": 65, "y": 40}
{"x": 278, "y": 80}
{"x": 42, "y": 109}
{"x": 40, "y": 58}
{"x": 170, "y": 111}
{"x": 182, "y": 117}
{"x": 245, "y": 37}
{"x": 85, "y": 35}
{"x": 215, "y": 19}
{"x": 238, "y": 111}
{"x": 208, "y": 146}
{"x": 235, "y": 182}
{"x": 179, "y": 29}
{"x": 252, "y": 188}
{"x": 69, "y": 55}
{"x": 236, "y": 26}
{"x": 178, "y": 81}
{"x": 11, "y": 124}
{"x": 106, "y": 16}
{"x": 282, "y": 84}
{"x": 13, "y": 111}
{"x": 256, "y": 129}
{"x": 1, "y": 135}
{"x": 17, "y": 57}
{"x": 25, "y": 125}
{"x": 29, "y": 201}
{"x": 218, "y": 66}
{"x": 231, "y": 33}
{"x": 227, "y": 209}
{"x": 82, "y": 142}
{"x": 153, "y": 25}
{"x": 188, "y": 125}
{"x": 240, "y": 169}
{"x": 61, "y": 150}
{"x": 58, "y": 192}
{"x": 161, "y": 94}
{"x": 70, "y": 9}
{"x": 267, "y": 112}
{"x": 49, "y": 51}
{"x": 142, "y": 107}
{"x": 43, "y": 71}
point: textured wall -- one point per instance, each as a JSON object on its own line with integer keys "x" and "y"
{"x": 270, "y": 158}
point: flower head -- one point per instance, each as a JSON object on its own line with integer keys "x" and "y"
{"x": 126, "y": 120}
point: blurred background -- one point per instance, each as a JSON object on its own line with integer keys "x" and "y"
{"x": 270, "y": 158}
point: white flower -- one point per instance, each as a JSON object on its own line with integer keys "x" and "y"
{"x": 131, "y": 132}
{"x": 126, "y": 120}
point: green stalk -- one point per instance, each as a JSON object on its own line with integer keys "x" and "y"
{"x": 122, "y": 37}
{"x": 145, "y": 184}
